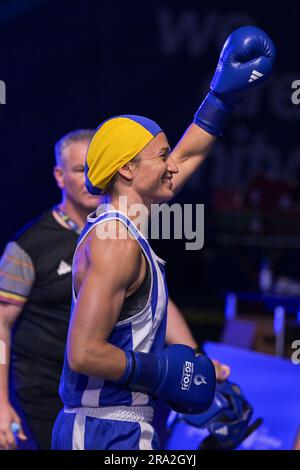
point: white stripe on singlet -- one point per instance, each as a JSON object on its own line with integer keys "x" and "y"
{"x": 78, "y": 432}
{"x": 147, "y": 432}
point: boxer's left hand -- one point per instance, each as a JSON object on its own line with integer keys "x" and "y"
{"x": 246, "y": 61}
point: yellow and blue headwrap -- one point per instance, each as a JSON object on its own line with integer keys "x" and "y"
{"x": 116, "y": 141}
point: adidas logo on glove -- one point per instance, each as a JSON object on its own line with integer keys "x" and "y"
{"x": 255, "y": 75}
{"x": 222, "y": 431}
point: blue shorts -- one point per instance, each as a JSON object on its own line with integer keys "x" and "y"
{"x": 82, "y": 429}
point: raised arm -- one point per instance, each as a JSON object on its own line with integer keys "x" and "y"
{"x": 246, "y": 61}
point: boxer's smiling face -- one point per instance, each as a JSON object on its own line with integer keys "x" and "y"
{"x": 154, "y": 172}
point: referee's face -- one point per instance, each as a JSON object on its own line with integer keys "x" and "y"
{"x": 72, "y": 176}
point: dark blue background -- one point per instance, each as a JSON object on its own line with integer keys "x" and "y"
{"x": 71, "y": 64}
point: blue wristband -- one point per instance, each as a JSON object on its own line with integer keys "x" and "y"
{"x": 147, "y": 374}
{"x": 213, "y": 115}
{"x": 143, "y": 372}
{"x": 130, "y": 368}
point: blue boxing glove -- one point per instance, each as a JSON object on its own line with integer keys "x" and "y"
{"x": 246, "y": 61}
{"x": 186, "y": 381}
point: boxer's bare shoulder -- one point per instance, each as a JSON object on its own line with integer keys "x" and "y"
{"x": 107, "y": 250}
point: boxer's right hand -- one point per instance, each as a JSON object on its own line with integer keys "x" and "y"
{"x": 8, "y": 415}
{"x": 186, "y": 381}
